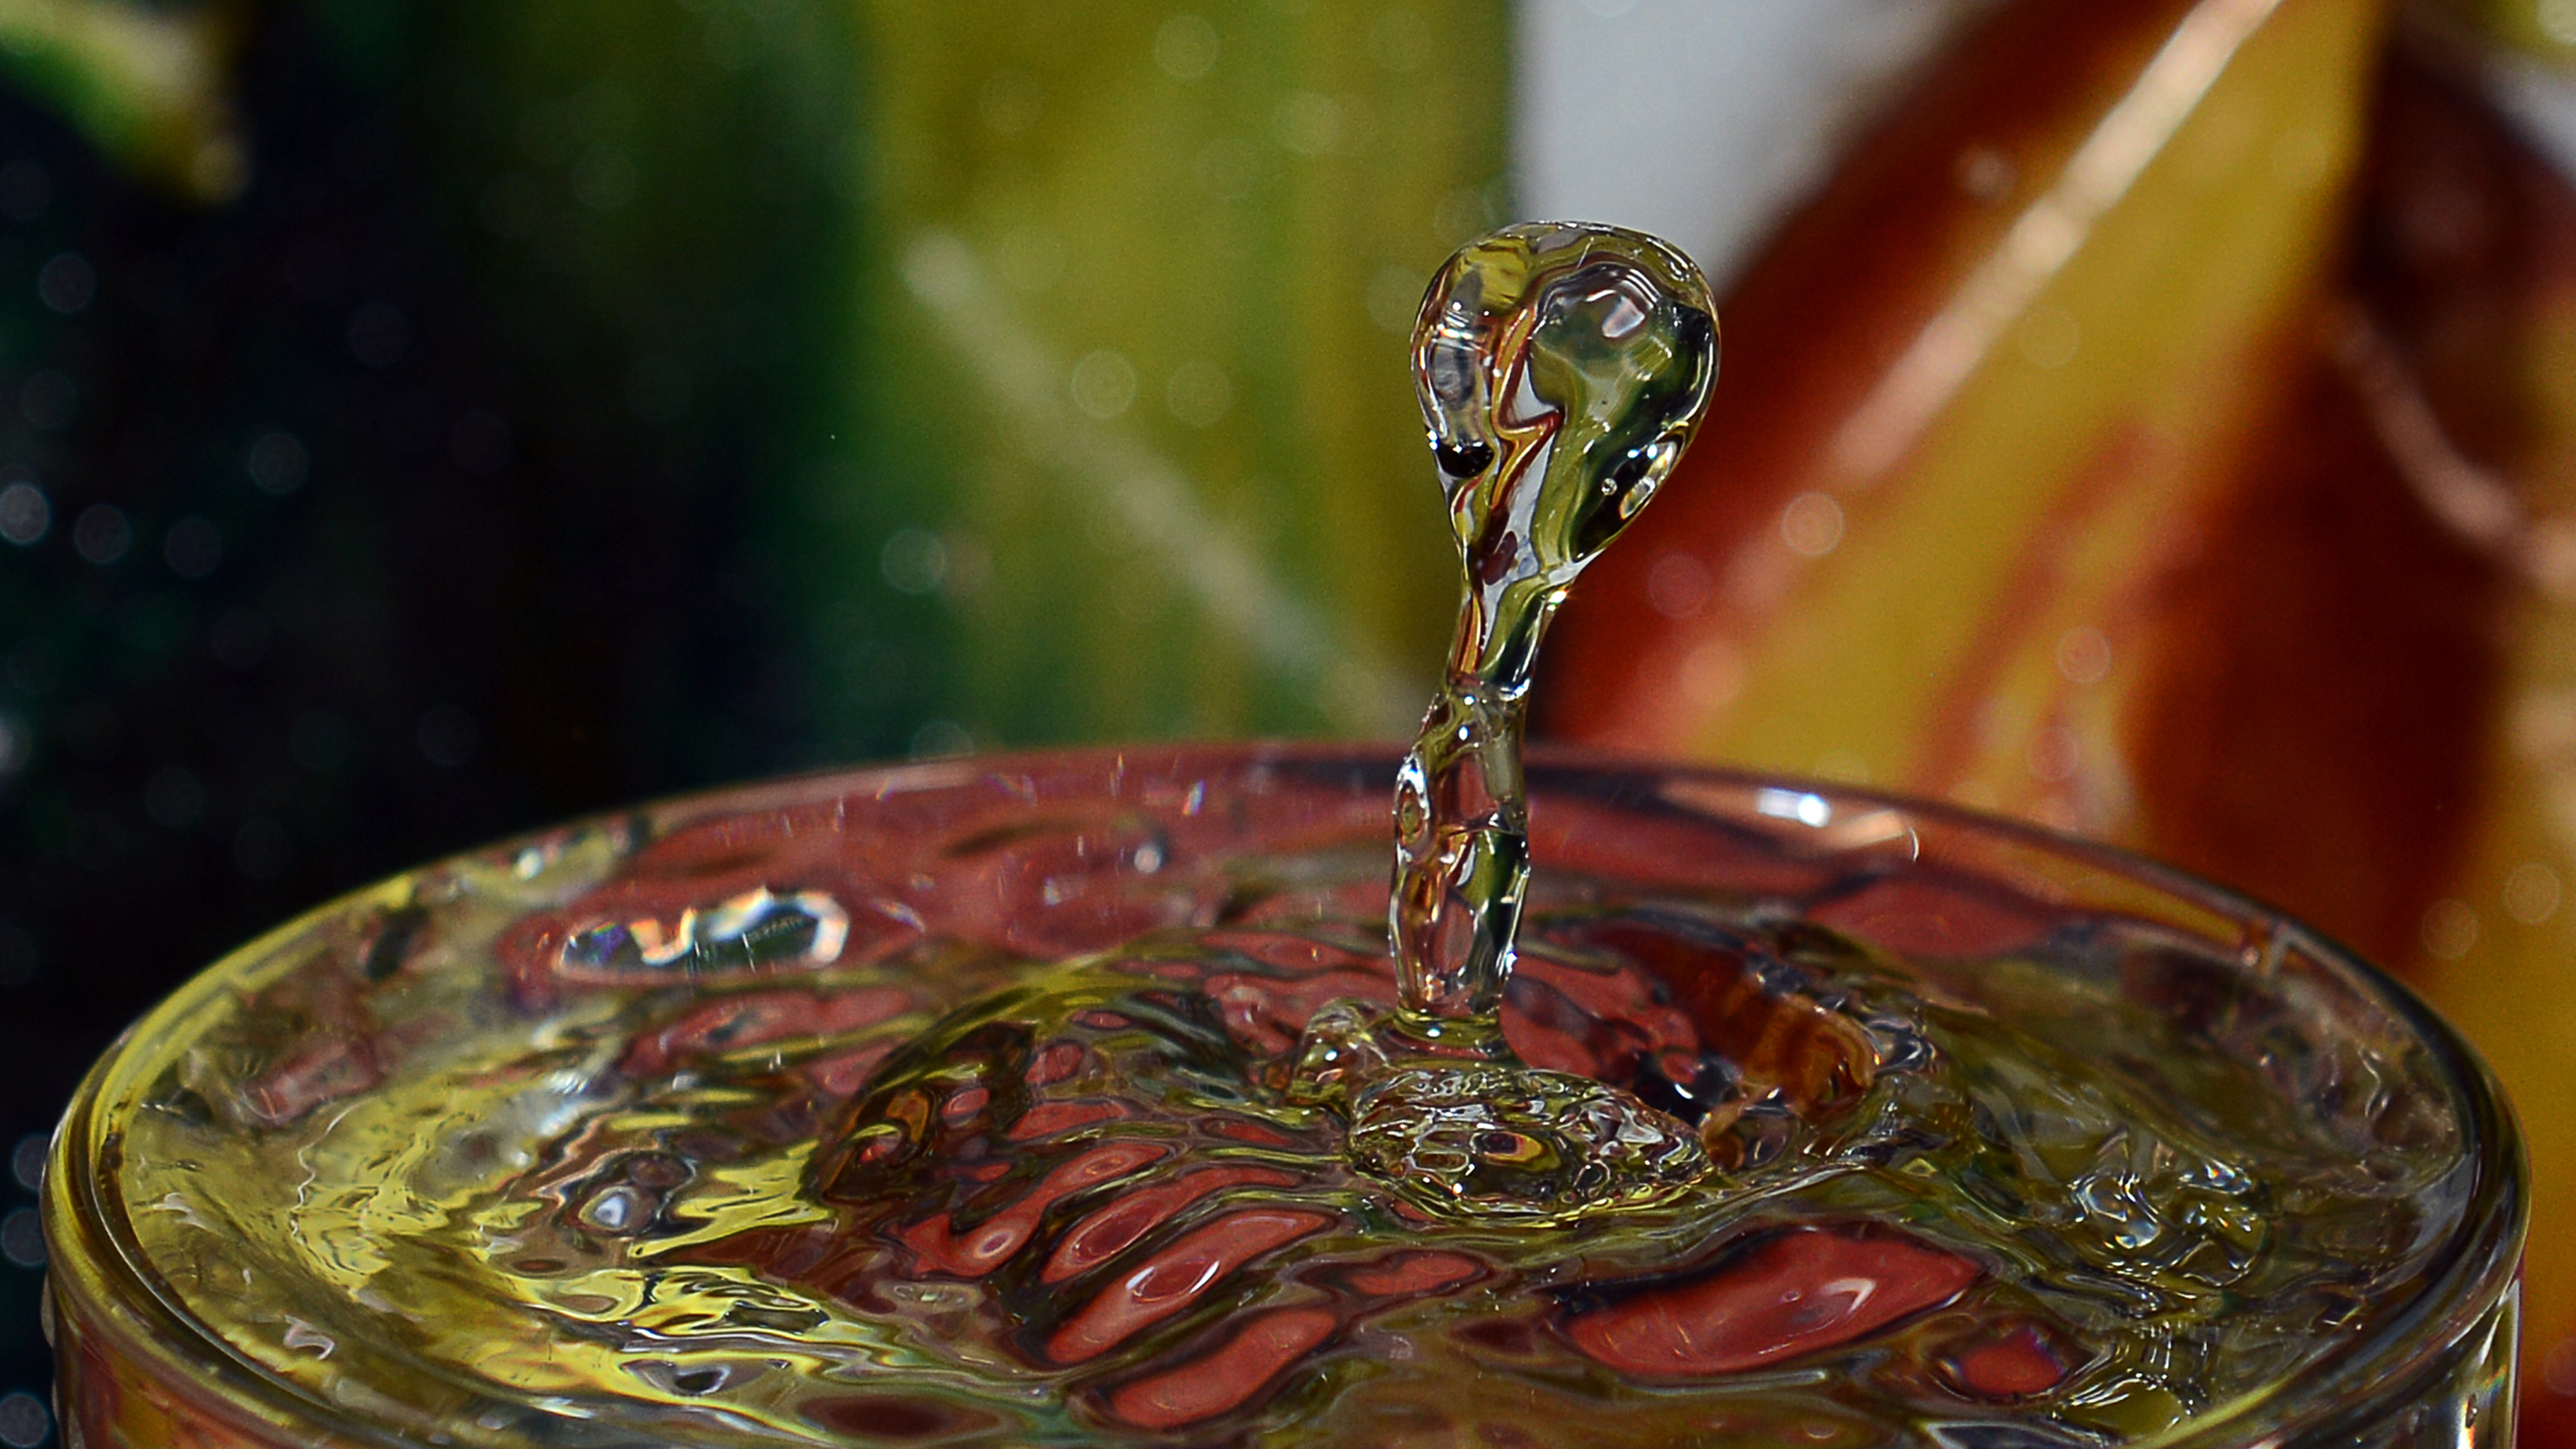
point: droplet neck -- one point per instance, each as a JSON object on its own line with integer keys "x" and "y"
{"x": 1462, "y": 853}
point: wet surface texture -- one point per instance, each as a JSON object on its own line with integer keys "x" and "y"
{"x": 955, "y": 1110}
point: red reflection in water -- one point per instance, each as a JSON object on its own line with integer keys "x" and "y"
{"x": 980, "y": 1250}
{"x": 1177, "y": 1277}
{"x": 2006, "y": 1362}
{"x": 1226, "y": 1379}
{"x": 1790, "y": 1294}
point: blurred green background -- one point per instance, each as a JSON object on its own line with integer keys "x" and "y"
{"x": 422, "y": 421}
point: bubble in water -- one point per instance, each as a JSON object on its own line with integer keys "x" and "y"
{"x": 1511, "y": 1141}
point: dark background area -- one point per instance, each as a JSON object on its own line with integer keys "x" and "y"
{"x": 392, "y": 506}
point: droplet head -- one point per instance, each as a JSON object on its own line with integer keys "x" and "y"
{"x": 1562, "y": 368}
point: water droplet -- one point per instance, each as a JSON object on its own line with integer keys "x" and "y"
{"x": 1561, "y": 370}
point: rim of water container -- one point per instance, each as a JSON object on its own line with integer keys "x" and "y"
{"x": 123, "y": 1297}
